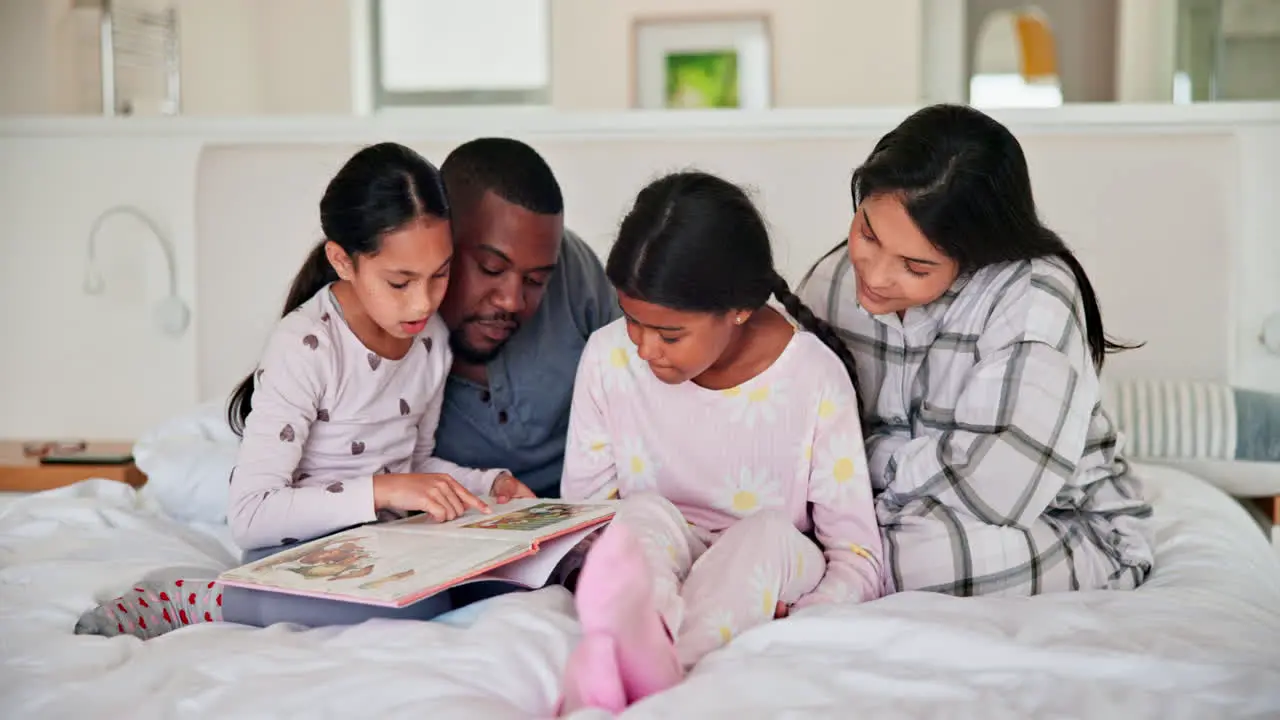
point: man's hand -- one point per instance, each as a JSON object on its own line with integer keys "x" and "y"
{"x": 506, "y": 488}
{"x": 435, "y": 494}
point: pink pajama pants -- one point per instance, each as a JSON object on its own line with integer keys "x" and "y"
{"x": 708, "y": 587}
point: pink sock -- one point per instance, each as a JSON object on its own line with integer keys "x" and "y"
{"x": 615, "y": 598}
{"x": 592, "y": 678}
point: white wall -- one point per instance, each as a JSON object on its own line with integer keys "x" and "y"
{"x": 1146, "y": 38}
{"x": 26, "y": 58}
{"x": 75, "y": 365}
{"x": 245, "y": 57}
{"x": 827, "y": 53}
{"x": 239, "y": 57}
{"x": 72, "y": 364}
{"x": 944, "y": 52}
{"x": 41, "y": 51}
{"x": 221, "y": 58}
{"x": 307, "y": 56}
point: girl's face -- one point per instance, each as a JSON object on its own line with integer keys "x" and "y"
{"x": 679, "y": 346}
{"x": 897, "y": 267}
{"x": 401, "y": 285}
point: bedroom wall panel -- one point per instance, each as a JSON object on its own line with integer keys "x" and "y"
{"x": 73, "y": 364}
{"x": 1173, "y": 210}
{"x": 1163, "y": 274}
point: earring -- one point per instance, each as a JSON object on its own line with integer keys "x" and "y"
{"x": 740, "y": 320}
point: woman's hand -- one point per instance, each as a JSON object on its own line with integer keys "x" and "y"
{"x": 506, "y": 488}
{"x": 435, "y": 494}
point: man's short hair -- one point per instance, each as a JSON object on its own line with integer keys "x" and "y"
{"x": 509, "y": 168}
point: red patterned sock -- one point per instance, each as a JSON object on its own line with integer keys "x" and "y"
{"x": 153, "y": 609}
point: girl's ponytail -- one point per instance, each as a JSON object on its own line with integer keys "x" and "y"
{"x": 316, "y": 273}
{"x": 380, "y": 189}
{"x": 816, "y": 325}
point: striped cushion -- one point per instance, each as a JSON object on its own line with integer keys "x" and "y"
{"x": 1170, "y": 419}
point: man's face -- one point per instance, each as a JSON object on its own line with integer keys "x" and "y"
{"x": 503, "y": 258}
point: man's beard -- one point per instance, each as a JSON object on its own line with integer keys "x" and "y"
{"x": 468, "y": 355}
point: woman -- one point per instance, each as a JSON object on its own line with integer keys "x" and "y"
{"x": 978, "y": 341}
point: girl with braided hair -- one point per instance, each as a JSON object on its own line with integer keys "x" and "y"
{"x": 731, "y": 434}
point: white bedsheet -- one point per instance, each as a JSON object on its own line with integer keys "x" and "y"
{"x": 1201, "y": 639}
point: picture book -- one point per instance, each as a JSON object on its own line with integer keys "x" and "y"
{"x": 398, "y": 563}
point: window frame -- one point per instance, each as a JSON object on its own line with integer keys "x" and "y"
{"x": 384, "y": 99}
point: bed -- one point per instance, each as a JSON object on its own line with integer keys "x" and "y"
{"x": 1200, "y": 639}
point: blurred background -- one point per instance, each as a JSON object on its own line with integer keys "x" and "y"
{"x": 161, "y": 160}
{"x": 359, "y": 57}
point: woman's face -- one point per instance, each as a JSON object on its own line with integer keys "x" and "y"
{"x": 897, "y": 267}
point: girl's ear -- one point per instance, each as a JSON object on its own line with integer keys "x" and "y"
{"x": 340, "y": 260}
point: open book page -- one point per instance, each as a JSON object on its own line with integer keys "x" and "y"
{"x": 368, "y": 564}
{"x": 535, "y": 570}
{"x": 527, "y": 522}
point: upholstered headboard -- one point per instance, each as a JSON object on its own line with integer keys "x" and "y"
{"x": 1151, "y": 217}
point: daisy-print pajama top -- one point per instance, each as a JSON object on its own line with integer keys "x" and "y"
{"x": 787, "y": 441}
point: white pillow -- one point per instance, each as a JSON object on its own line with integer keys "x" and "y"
{"x": 188, "y": 460}
{"x": 1237, "y": 478}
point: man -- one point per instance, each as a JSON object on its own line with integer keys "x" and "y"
{"x": 524, "y": 295}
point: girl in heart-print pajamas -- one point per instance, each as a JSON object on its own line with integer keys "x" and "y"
{"x": 339, "y": 420}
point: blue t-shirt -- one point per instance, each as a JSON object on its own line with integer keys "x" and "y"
{"x": 520, "y": 420}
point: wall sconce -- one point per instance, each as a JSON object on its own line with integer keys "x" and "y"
{"x": 171, "y": 314}
{"x": 1270, "y": 335}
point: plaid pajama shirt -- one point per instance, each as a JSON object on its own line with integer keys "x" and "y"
{"x": 995, "y": 468}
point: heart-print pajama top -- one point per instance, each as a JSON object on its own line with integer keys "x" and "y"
{"x": 327, "y": 416}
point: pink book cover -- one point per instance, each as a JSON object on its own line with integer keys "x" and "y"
{"x": 398, "y": 563}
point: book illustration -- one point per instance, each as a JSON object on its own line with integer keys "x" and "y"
{"x": 400, "y": 562}
{"x": 370, "y": 564}
{"x": 337, "y": 559}
{"x": 392, "y": 578}
{"x": 532, "y": 518}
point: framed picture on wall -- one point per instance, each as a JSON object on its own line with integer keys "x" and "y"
{"x": 702, "y": 63}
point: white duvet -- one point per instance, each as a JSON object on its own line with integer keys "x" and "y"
{"x": 1200, "y": 640}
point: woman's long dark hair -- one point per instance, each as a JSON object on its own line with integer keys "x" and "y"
{"x": 380, "y": 189}
{"x": 695, "y": 242}
{"x": 963, "y": 179}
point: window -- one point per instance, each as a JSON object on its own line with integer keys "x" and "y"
{"x": 450, "y": 52}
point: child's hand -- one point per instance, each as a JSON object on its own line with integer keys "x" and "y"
{"x": 781, "y": 611}
{"x": 435, "y": 494}
{"x": 507, "y": 488}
